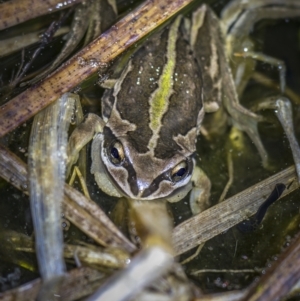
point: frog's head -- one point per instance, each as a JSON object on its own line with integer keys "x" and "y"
{"x": 136, "y": 171}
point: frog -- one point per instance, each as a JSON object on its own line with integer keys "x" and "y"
{"x": 144, "y": 143}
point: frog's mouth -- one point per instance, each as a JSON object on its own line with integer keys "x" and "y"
{"x": 139, "y": 175}
{"x": 128, "y": 184}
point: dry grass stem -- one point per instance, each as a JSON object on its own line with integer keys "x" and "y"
{"x": 88, "y": 216}
{"x": 85, "y": 214}
{"x": 232, "y": 211}
{"x": 46, "y": 168}
{"x": 79, "y": 283}
{"x": 86, "y": 254}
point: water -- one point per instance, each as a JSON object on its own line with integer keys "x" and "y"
{"x": 231, "y": 250}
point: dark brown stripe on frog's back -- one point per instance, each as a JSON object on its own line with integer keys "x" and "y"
{"x": 136, "y": 88}
{"x": 185, "y": 102}
{"x": 206, "y": 42}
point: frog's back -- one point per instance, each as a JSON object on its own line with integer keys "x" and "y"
{"x": 158, "y": 97}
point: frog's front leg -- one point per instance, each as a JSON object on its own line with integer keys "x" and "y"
{"x": 199, "y": 187}
{"x": 82, "y": 135}
{"x": 200, "y": 193}
{"x": 98, "y": 169}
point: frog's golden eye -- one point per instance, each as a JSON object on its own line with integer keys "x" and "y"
{"x": 116, "y": 153}
{"x": 179, "y": 172}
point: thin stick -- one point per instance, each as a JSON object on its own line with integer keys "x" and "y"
{"x": 10, "y": 45}
{"x": 230, "y": 177}
{"x": 268, "y": 82}
{"x": 77, "y": 172}
{"x": 47, "y": 37}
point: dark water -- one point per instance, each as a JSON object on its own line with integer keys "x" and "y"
{"x": 232, "y": 250}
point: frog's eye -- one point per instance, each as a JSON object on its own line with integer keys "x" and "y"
{"x": 116, "y": 153}
{"x": 179, "y": 172}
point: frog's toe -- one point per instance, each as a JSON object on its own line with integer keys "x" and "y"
{"x": 249, "y": 124}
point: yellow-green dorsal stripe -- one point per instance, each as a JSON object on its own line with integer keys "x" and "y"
{"x": 159, "y": 100}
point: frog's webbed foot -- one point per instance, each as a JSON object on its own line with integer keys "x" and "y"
{"x": 240, "y": 83}
{"x": 239, "y": 17}
{"x": 199, "y": 196}
{"x": 283, "y": 110}
{"x": 82, "y": 135}
{"x": 241, "y": 117}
